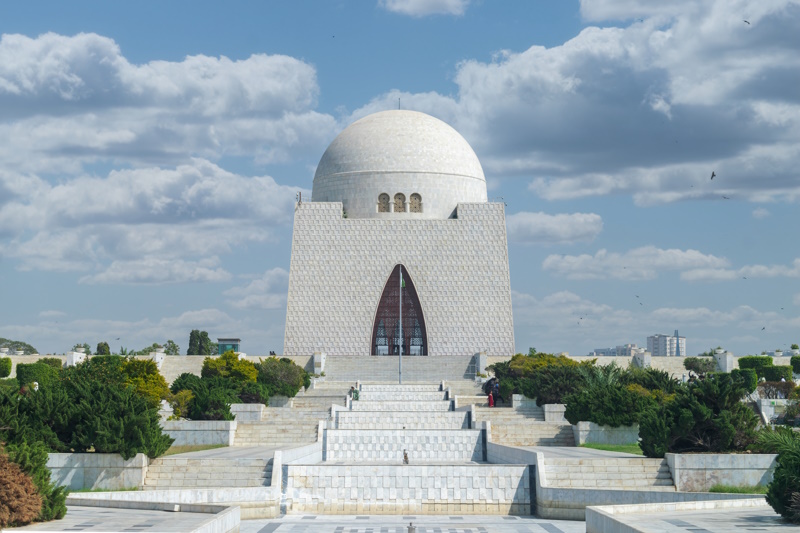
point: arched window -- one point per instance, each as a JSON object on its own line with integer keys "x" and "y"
{"x": 415, "y": 203}
{"x": 399, "y": 203}
{"x": 383, "y": 203}
{"x": 386, "y": 336}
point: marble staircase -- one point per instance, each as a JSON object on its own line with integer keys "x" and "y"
{"x": 609, "y": 473}
{"x": 175, "y": 472}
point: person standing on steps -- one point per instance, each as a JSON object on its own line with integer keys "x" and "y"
{"x": 496, "y": 391}
{"x": 490, "y": 397}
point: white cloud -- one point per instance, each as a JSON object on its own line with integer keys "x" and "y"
{"x": 638, "y": 264}
{"x": 423, "y": 8}
{"x": 529, "y": 228}
{"x": 760, "y": 213}
{"x": 147, "y": 225}
{"x": 267, "y": 292}
{"x": 647, "y": 109}
{"x": 67, "y": 101}
{"x": 748, "y": 271}
{"x": 51, "y": 314}
{"x": 157, "y": 271}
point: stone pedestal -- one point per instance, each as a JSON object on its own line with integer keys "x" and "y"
{"x": 642, "y": 360}
{"x": 724, "y": 361}
{"x": 319, "y": 362}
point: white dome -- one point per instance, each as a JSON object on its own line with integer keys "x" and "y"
{"x": 394, "y": 155}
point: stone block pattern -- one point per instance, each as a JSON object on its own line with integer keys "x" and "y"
{"x": 447, "y": 446}
{"x": 400, "y": 406}
{"x": 398, "y": 396}
{"x": 392, "y": 489}
{"x": 398, "y": 420}
{"x": 339, "y": 268}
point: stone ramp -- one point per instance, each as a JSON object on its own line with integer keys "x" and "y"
{"x": 609, "y": 473}
{"x": 183, "y": 473}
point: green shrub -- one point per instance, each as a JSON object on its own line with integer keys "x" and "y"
{"x": 704, "y": 416}
{"x": 5, "y": 367}
{"x": 180, "y": 403}
{"x": 55, "y": 362}
{"x": 228, "y": 365}
{"x": 775, "y": 390}
{"x": 700, "y": 365}
{"x": 112, "y": 419}
{"x": 795, "y": 362}
{"x": 212, "y": 404}
{"x": 32, "y": 459}
{"x": 611, "y": 405}
{"x": 186, "y": 381}
{"x": 144, "y": 377}
{"x": 783, "y": 492}
{"x": 104, "y": 368}
{"x": 756, "y": 362}
{"x": 41, "y": 373}
{"x": 747, "y": 376}
{"x": 775, "y": 373}
{"x": 20, "y": 502}
{"x": 254, "y": 393}
{"x": 649, "y": 378}
{"x": 281, "y": 376}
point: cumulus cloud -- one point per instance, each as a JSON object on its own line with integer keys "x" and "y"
{"x": 638, "y": 264}
{"x": 267, "y": 292}
{"x": 532, "y": 228}
{"x": 423, "y": 8}
{"x": 645, "y": 107}
{"x": 147, "y": 225}
{"x": 66, "y": 101}
{"x": 748, "y": 271}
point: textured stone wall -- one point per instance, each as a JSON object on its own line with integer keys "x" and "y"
{"x": 387, "y": 445}
{"x": 423, "y": 489}
{"x": 339, "y": 268}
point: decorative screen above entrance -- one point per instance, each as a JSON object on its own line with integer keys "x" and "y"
{"x": 386, "y": 330}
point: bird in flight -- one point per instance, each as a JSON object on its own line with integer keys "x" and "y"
{"x": 725, "y": 197}
{"x": 747, "y": 22}
{"x": 713, "y": 174}
{"x": 765, "y": 327}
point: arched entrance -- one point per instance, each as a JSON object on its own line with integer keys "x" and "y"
{"x": 386, "y": 336}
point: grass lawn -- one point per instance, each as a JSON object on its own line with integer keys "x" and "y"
{"x": 623, "y": 448}
{"x": 747, "y": 489}
{"x": 196, "y": 448}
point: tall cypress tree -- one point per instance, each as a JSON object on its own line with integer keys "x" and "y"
{"x": 194, "y": 343}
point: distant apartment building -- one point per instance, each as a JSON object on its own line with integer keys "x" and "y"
{"x": 666, "y": 345}
{"x": 625, "y": 350}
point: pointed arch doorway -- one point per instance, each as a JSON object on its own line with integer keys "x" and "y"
{"x": 386, "y": 336}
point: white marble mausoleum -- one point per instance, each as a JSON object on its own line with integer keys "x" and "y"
{"x": 399, "y": 193}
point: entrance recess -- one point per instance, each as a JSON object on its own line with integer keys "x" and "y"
{"x": 386, "y": 336}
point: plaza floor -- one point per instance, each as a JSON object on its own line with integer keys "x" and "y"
{"x": 101, "y": 519}
{"x": 399, "y": 524}
{"x": 720, "y": 521}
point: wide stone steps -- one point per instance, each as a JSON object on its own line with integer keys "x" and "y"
{"x": 422, "y": 387}
{"x": 318, "y": 402}
{"x": 532, "y": 434}
{"x": 401, "y": 396}
{"x": 385, "y": 368}
{"x": 509, "y": 415}
{"x": 635, "y": 473}
{"x": 174, "y": 473}
{"x": 388, "y": 445}
{"x": 274, "y": 434}
{"x": 400, "y": 420}
{"x": 399, "y": 406}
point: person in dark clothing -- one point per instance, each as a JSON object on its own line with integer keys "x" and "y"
{"x": 496, "y": 391}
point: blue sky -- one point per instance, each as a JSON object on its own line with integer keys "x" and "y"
{"x": 153, "y": 151}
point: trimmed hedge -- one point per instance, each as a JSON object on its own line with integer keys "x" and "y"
{"x": 700, "y": 365}
{"x": 775, "y": 373}
{"x": 795, "y": 362}
{"x": 41, "y": 373}
{"x": 55, "y": 362}
{"x": 756, "y": 362}
{"x": 5, "y": 367}
{"x": 747, "y": 376}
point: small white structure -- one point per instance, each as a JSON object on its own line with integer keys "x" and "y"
{"x": 158, "y": 356}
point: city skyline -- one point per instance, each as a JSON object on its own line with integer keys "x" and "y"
{"x": 647, "y": 156}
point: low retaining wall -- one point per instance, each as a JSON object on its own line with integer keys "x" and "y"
{"x": 254, "y": 502}
{"x": 107, "y": 471}
{"x": 392, "y": 489}
{"x": 477, "y": 401}
{"x": 200, "y": 432}
{"x": 699, "y": 472}
{"x": 589, "y": 432}
{"x": 247, "y": 412}
{"x": 554, "y": 412}
{"x": 611, "y": 518}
